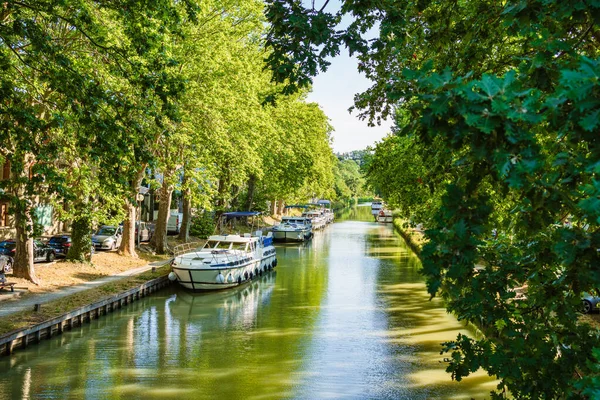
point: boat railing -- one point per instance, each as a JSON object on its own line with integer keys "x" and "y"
{"x": 187, "y": 248}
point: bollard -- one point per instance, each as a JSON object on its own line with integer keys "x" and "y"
{"x": 37, "y": 307}
{"x": 153, "y": 269}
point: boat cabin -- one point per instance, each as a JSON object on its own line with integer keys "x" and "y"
{"x": 230, "y": 242}
{"x": 295, "y": 220}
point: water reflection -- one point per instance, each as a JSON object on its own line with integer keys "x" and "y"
{"x": 345, "y": 315}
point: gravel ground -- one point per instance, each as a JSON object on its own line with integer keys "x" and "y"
{"x": 61, "y": 273}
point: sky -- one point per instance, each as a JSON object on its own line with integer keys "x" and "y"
{"x": 334, "y": 90}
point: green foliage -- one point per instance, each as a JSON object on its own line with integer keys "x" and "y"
{"x": 349, "y": 182}
{"x": 81, "y": 240}
{"x": 496, "y": 108}
{"x": 203, "y": 225}
{"x": 82, "y": 83}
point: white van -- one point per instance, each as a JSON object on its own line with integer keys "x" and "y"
{"x": 174, "y": 221}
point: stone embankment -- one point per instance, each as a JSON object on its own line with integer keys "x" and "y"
{"x": 22, "y": 338}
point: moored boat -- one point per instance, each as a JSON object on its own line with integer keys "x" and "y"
{"x": 293, "y": 229}
{"x": 327, "y": 210}
{"x": 376, "y": 206}
{"x": 385, "y": 216}
{"x": 316, "y": 217}
{"x": 225, "y": 261}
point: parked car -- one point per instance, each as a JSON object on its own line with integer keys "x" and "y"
{"x": 61, "y": 244}
{"x": 108, "y": 237}
{"x": 590, "y": 302}
{"x": 6, "y": 263}
{"x": 8, "y": 247}
{"x": 41, "y": 251}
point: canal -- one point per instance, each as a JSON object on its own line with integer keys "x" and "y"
{"x": 345, "y": 316}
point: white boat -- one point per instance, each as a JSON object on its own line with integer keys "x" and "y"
{"x": 225, "y": 261}
{"x": 327, "y": 210}
{"x": 294, "y": 229}
{"x": 316, "y": 218}
{"x": 385, "y": 216}
{"x": 376, "y": 206}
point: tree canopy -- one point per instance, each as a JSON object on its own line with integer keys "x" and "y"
{"x": 498, "y": 104}
{"x": 100, "y": 96}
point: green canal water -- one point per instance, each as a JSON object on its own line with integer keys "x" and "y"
{"x": 345, "y": 316}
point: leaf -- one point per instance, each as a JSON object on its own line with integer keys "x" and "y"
{"x": 489, "y": 85}
{"x": 590, "y": 122}
{"x": 500, "y": 325}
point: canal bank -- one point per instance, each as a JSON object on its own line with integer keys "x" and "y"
{"x": 22, "y": 338}
{"x": 343, "y": 316}
{"x": 23, "y": 324}
{"x": 413, "y": 238}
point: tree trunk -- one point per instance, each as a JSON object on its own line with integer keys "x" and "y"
{"x": 234, "y": 197}
{"x": 23, "y": 262}
{"x": 280, "y": 207}
{"x": 81, "y": 240}
{"x": 273, "y": 207}
{"x": 184, "y": 233}
{"x": 251, "y": 189}
{"x": 127, "y": 247}
{"x": 159, "y": 240}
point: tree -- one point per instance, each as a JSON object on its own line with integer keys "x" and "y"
{"x": 82, "y": 63}
{"x": 300, "y": 160}
{"x": 506, "y": 96}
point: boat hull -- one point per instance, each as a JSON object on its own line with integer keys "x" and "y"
{"x": 291, "y": 236}
{"x": 207, "y": 278}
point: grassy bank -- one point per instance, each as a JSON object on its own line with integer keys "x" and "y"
{"x": 56, "y": 308}
{"x": 413, "y": 238}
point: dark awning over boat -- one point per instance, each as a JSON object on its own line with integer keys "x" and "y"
{"x": 242, "y": 214}
{"x": 297, "y": 206}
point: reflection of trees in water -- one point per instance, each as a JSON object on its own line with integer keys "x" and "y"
{"x": 231, "y": 344}
{"x": 361, "y": 212}
{"x": 234, "y": 308}
{"x": 83, "y": 360}
{"x": 416, "y": 325}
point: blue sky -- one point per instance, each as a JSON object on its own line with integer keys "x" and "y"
{"x": 334, "y": 90}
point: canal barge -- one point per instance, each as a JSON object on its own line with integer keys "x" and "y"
{"x": 385, "y": 216}
{"x": 327, "y": 210}
{"x": 376, "y": 207}
{"x": 225, "y": 261}
{"x": 317, "y": 219}
{"x": 293, "y": 229}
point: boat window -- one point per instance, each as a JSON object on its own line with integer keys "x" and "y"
{"x": 222, "y": 245}
{"x": 211, "y": 244}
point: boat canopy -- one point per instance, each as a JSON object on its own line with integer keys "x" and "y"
{"x": 235, "y": 214}
{"x": 297, "y": 206}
